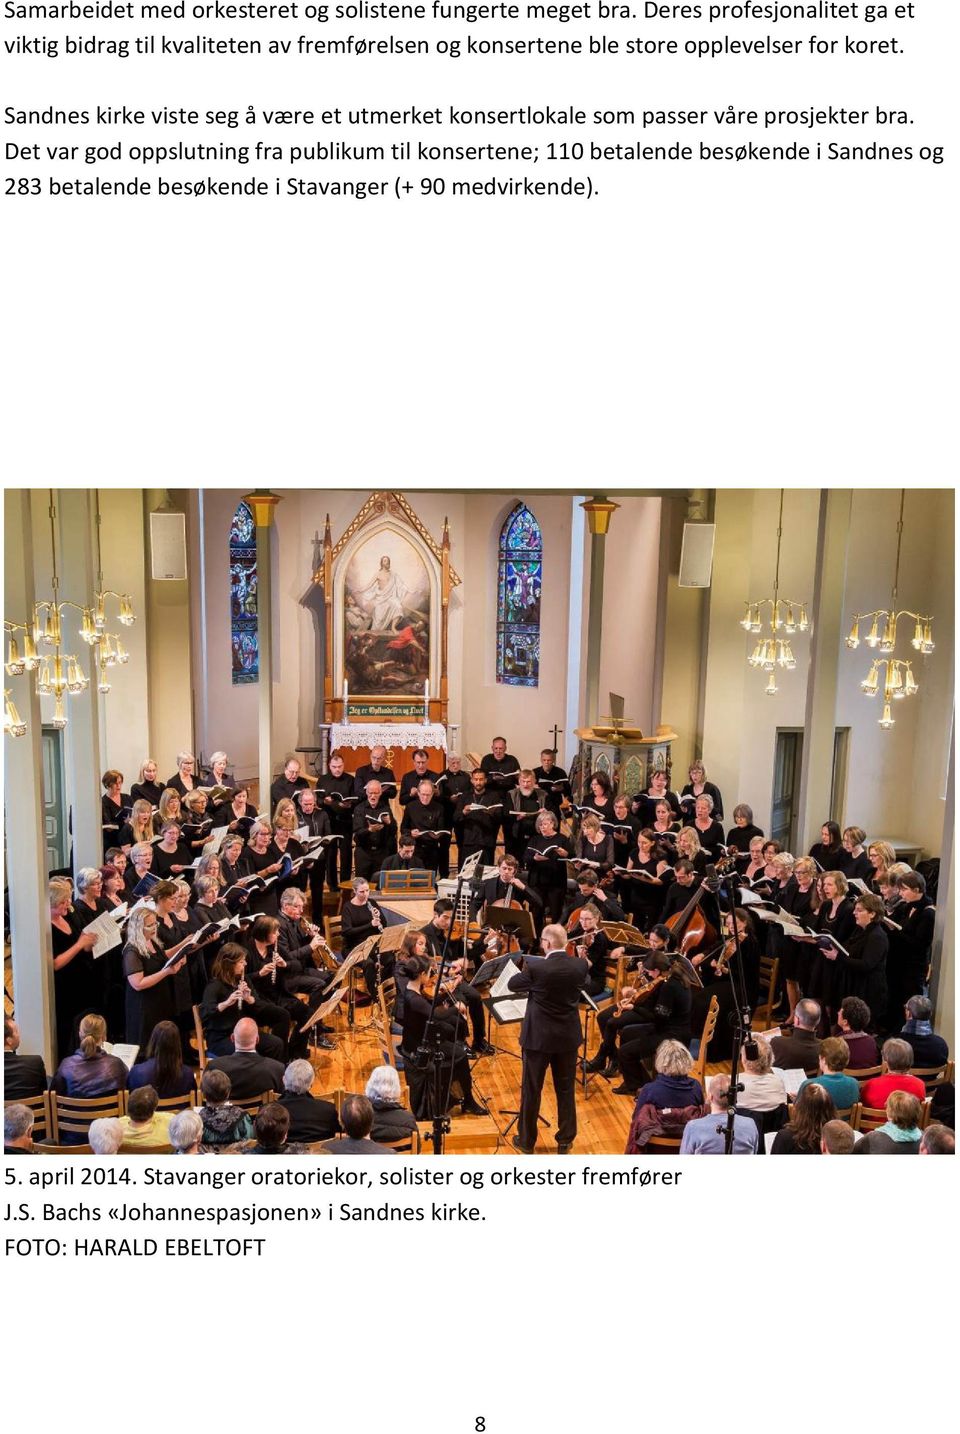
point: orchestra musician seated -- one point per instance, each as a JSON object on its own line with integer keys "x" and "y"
{"x": 450, "y": 1021}
{"x": 627, "y": 1012}
{"x": 665, "y": 1017}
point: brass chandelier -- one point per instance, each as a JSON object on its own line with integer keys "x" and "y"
{"x": 786, "y": 616}
{"x": 898, "y": 680}
{"x": 59, "y": 673}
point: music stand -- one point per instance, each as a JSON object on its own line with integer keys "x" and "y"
{"x": 511, "y": 922}
{"x": 589, "y": 1007}
{"x": 324, "y": 1009}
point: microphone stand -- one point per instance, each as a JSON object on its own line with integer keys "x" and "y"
{"x": 742, "y": 1012}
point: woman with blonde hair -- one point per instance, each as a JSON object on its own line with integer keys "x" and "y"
{"x": 853, "y": 859}
{"x": 150, "y": 995}
{"x": 184, "y": 779}
{"x": 698, "y": 786}
{"x": 882, "y": 857}
{"x": 169, "y": 808}
{"x": 77, "y": 981}
{"x": 139, "y": 827}
{"x": 90, "y": 1071}
{"x": 763, "y": 1089}
{"x": 688, "y": 847}
{"x": 673, "y": 1088}
{"x": 594, "y": 847}
{"x": 834, "y": 918}
{"x": 286, "y": 815}
{"x": 799, "y": 898}
{"x": 146, "y": 788}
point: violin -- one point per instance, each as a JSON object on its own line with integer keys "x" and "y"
{"x": 580, "y": 945}
{"x": 448, "y": 986}
{"x": 631, "y": 996}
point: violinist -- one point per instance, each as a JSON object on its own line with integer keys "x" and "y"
{"x": 592, "y": 945}
{"x": 450, "y": 1018}
{"x": 714, "y": 972}
{"x": 523, "y": 805}
{"x": 374, "y": 830}
{"x": 435, "y": 931}
{"x": 423, "y": 820}
{"x": 455, "y": 986}
{"x": 481, "y": 819}
{"x": 665, "y": 1017}
{"x": 360, "y": 916}
{"x": 552, "y": 780}
{"x": 337, "y": 799}
{"x": 589, "y": 889}
{"x": 545, "y": 858}
{"x": 616, "y": 1019}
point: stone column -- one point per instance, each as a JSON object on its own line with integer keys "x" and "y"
{"x": 82, "y": 756}
{"x": 598, "y": 512}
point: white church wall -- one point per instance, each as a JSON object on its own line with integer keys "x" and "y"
{"x": 630, "y": 607}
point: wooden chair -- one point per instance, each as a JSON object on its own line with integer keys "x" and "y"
{"x": 170, "y": 1102}
{"x": 667, "y": 1144}
{"x": 63, "y": 1149}
{"x": 408, "y": 1144}
{"x": 145, "y": 1150}
{"x": 866, "y": 1073}
{"x": 199, "y": 1038}
{"x": 699, "y": 1071}
{"x": 72, "y": 1116}
{"x": 252, "y": 1103}
{"x": 384, "y": 1023}
{"x": 932, "y": 1076}
{"x": 769, "y": 971}
{"x": 333, "y": 932}
{"x": 851, "y": 1115}
{"x": 40, "y": 1105}
{"x": 871, "y": 1119}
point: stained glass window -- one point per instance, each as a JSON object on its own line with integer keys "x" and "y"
{"x": 243, "y": 596}
{"x": 518, "y": 599}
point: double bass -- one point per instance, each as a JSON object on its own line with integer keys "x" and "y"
{"x": 692, "y": 932}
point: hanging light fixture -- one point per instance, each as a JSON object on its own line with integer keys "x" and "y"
{"x": 13, "y": 726}
{"x": 898, "y": 680}
{"x": 786, "y": 616}
{"x": 98, "y": 613}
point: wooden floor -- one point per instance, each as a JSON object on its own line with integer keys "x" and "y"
{"x": 603, "y": 1119}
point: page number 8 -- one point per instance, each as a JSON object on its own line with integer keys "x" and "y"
{"x": 480, "y": 1424}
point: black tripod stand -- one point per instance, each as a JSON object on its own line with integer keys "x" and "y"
{"x": 742, "y": 1012}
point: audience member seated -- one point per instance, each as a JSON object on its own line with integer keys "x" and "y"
{"x": 763, "y": 1088}
{"x": 834, "y": 1059}
{"x": 797, "y": 1046}
{"x": 250, "y": 1073}
{"x": 853, "y": 1018}
{"x": 311, "y": 1119}
{"x": 90, "y": 1071}
{"x": 391, "y": 1119}
{"x": 356, "y": 1118}
{"x": 143, "y": 1123}
{"x": 223, "y": 1123}
{"x": 898, "y": 1058}
{"x": 272, "y": 1129}
{"x": 707, "y": 1135}
{"x": 812, "y": 1109}
{"x": 23, "y": 1076}
{"x": 837, "y": 1138}
{"x": 901, "y": 1134}
{"x": 104, "y": 1136}
{"x": 186, "y": 1132}
{"x": 672, "y": 1086}
{"x": 938, "y": 1139}
{"x": 929, "y": 1049}
{"x": 17, "y": 1130}
{"x": 163, "y": 1067}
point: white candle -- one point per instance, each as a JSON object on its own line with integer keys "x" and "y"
{"x": 345, "y": 694}
{"x": 426, "y": 702}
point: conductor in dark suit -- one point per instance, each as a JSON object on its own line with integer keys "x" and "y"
{"x": 550, "y": 1036}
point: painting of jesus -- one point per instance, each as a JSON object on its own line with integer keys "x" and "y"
{"x": 386, "y": 617}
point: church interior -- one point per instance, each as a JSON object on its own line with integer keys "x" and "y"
{"x": 629, "y": 671}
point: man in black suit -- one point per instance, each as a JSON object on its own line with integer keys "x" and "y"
{"x": 376, "y": 770}
{"x": 410, "y": 781}
{"x": 550, "y": 1036}
{"x": 23, "y": 1076}
{"x": 311, "y": 1119}
{"x": 250, "y": 1073}
{"x": 424, "y": 814}
{"x": 798, "y": 1048}
{"x": 288, "y": 784}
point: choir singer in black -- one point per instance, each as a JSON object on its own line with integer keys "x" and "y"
{"x": 550, "y": 1036}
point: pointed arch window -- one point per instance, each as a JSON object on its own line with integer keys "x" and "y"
{"x": 243, "y": 596}
{"x": 520, "y": 574}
